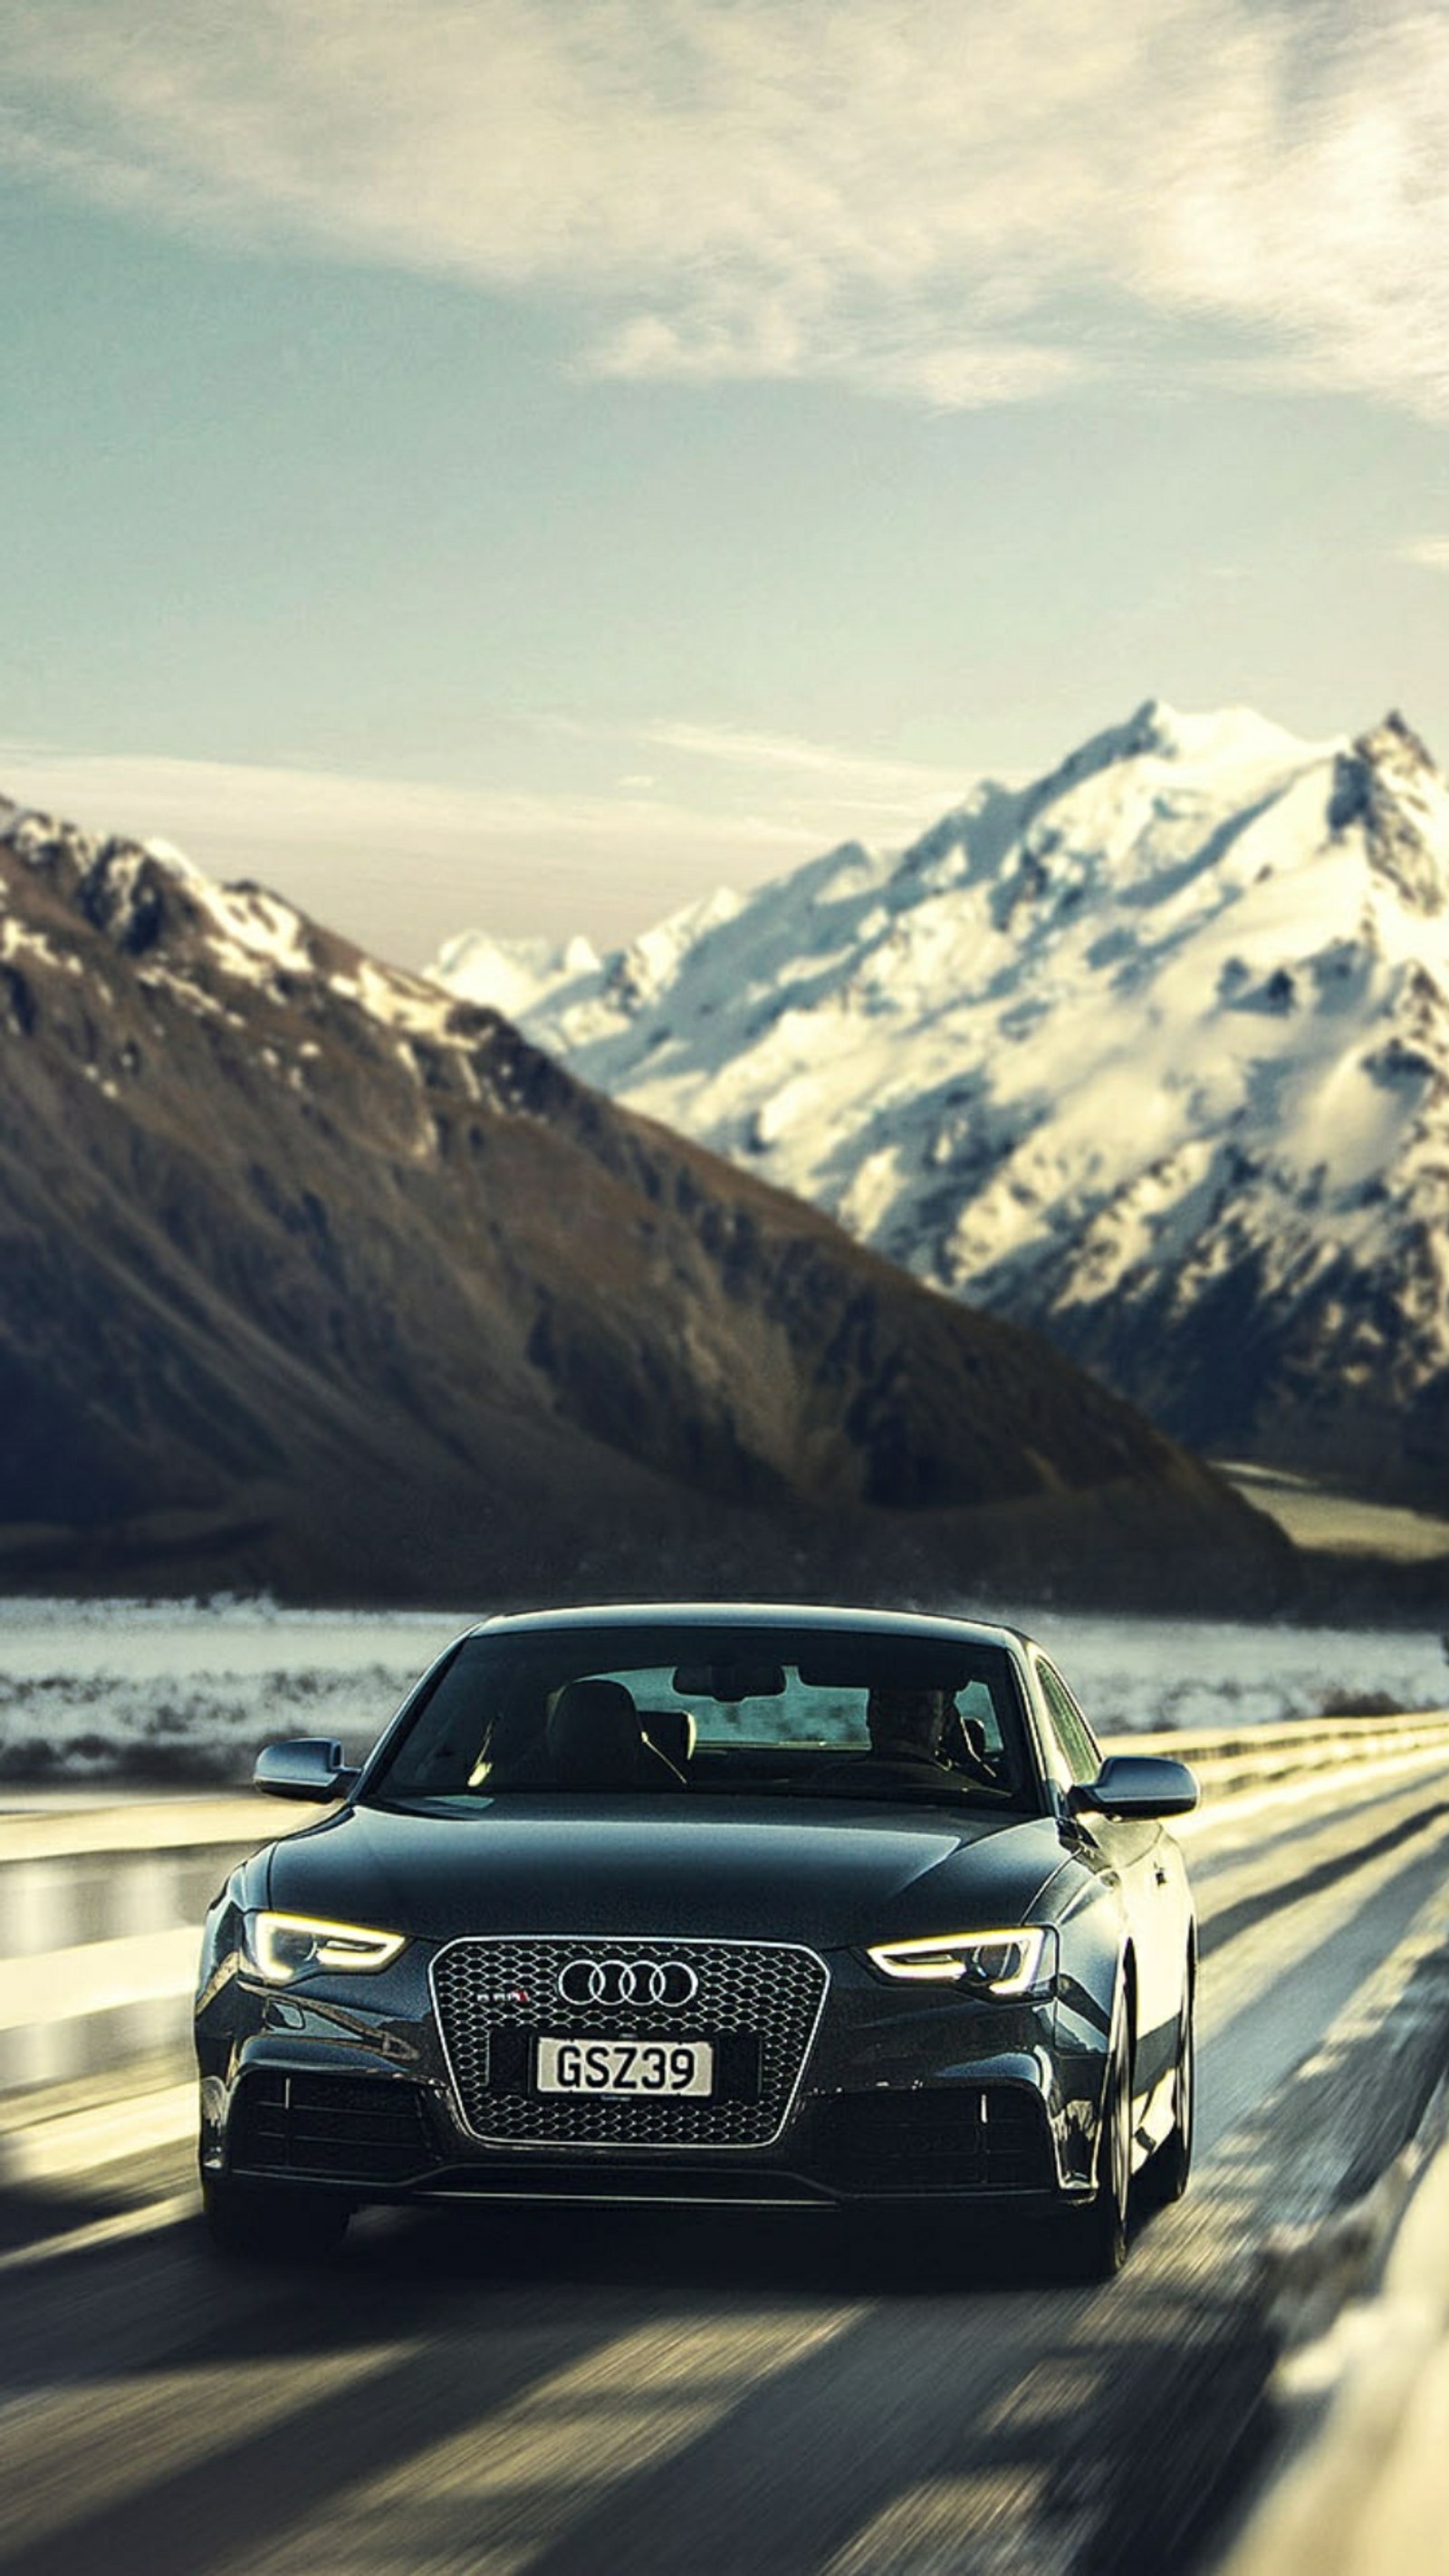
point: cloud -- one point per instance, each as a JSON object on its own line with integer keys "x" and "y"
{"x": 957, "y": 202}
{"x": 846, "y": 772}
{"x": 817, "y": 775}
{"x": 1431, "y": 553}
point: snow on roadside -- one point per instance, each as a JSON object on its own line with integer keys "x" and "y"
{"x": 181, "y": 1694}
{"x": 1134, "y": 1675}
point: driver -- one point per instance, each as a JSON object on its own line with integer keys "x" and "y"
{"x": 906, "y": 1727}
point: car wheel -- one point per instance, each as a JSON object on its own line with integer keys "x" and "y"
{"x": 1172, "y": 2162}
{"x": 255, "y": 2222}
{"x": 1096, "y": 2237}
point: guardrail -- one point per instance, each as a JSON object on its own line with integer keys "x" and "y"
{"x": 100, "y": 1905}
{"x": 1254, "y": 1767}
{"x": 100, "y": 1910}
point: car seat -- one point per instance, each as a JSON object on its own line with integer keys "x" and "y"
{"x": 595, "y": 1741}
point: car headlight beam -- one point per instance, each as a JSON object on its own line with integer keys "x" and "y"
{"x": 280, "y": 1947}
{"x": 1020, "y": 1961}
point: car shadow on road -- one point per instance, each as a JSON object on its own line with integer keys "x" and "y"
{"x": 814, "y": 2254}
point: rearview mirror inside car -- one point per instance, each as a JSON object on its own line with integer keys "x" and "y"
{"x": 730, "y": 1681}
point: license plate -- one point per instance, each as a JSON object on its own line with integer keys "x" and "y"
{"x": 627, "y": 2066}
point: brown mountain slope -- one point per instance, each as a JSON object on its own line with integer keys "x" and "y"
{"x": 312, "y": 1277}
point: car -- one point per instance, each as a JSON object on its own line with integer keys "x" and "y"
{"x": 715, "y": 1904}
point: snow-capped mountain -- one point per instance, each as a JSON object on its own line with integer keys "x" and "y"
{"x": 1152, "y": 1055}
{"x": 313, "y": 1275}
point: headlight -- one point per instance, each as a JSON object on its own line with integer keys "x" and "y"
{"x": 280, "y": 1946}
{"x": 1020, "y": 1962}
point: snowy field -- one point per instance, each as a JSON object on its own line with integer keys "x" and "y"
{"x": 1135, "y": 1674}
{"x": 178, "y": 1695}
{"x": 181, "y": 1695}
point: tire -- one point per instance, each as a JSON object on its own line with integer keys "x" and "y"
{"x": 1171, "y": 2165}
{"x": 257, "y": 2222}
{"x": 1095, "y": 2238}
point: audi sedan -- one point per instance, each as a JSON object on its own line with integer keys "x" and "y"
{"x": 783, "y": 1907}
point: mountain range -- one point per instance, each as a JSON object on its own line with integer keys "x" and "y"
{"x": 1150, "y": 1056}
{"x": 315, "y": 1276}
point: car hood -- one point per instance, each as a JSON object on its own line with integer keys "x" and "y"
{"x": 757, "y": 1869}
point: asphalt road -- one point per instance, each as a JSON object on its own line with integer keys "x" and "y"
{"x": 711, "y": 2393}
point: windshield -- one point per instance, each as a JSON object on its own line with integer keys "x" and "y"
{"x": 691, "y": 1711}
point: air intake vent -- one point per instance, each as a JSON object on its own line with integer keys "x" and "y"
{"x": 962, "y": 2138}
{"x": 365, "y": 2128}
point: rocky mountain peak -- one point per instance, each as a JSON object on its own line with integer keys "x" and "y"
{"x": 1387, "y": 784}
{"x": 132, "y": 895}
{"x": 1394, "y": 744}
{"x": 1152, "y": 1055}
{"x": 1158, "y": 733}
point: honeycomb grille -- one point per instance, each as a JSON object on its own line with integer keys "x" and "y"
{"x": 494, "y": 1996}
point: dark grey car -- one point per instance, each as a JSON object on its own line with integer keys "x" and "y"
{"x": 710, "y": 1904}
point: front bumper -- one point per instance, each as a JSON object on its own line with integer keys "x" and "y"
{"x": 902, "y": 2093}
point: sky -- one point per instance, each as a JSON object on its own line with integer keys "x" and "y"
{"x": 521, "y": 465}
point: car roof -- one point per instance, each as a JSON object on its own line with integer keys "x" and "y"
{"x": 625, "y": 1615}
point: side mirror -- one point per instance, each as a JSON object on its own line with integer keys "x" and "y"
{"x": 1138, "y": 1784}
{"x": 310, "y": 1766}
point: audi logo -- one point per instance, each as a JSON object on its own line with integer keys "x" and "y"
{"x": 667, "y": 1982}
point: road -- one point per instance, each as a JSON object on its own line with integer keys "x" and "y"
{"x": 712, "y": 2393}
